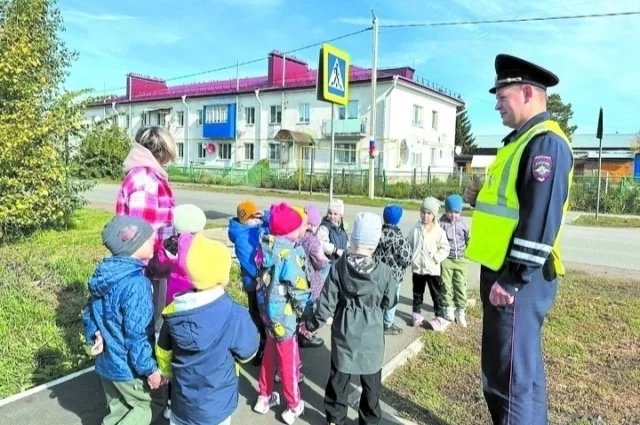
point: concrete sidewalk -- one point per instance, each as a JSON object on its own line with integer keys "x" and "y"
{"x": 81, "y": 402}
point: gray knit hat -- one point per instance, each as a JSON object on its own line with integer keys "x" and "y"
{"x": 124, "y": 235}
{"x": 431, "y": 204}
{"x": 367, "y": 230}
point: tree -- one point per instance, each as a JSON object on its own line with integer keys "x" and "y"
{"x": 561, "y": 113}
{"x": 103, "y": 148}
{"x": 37, "y": 118}
{"x": 464, "y": 136}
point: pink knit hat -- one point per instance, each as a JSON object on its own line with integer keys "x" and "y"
{"x": 283, "y": 219}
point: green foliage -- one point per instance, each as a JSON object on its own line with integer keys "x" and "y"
{"x": 103, "y": 149}
{"x": 37, "y": 119}
{"x": 562, "y": 113}
{"x": 464, "y": 135}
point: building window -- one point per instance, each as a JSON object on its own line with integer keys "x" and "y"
{"x": 274, "y": 151}
{"x": 416, "y": 159}
{"x": 180, "y": 150}
{"x": 250, "y": 115}
{"x": 348, "y": 112}
{"x": 127, "y": 121}
{"x": 249, "y": 151}
{"x": 217, "y": 114}
{"x": 199, "y": 116}
{"x": 433, "y": 156}
{"x": 307, "y": 152}
{"x": 180, "y": 118}
{"x": 418, "y": 116}
{"x": 202, "y": 151}
{"x": 303, "y": 113}
{"x": 440, "y": 153}
{"x": 224, "y": 151}
{"x": 144, "y": 119}
{"x": 434, "y": 120}
{"x": 160, "y": 118}
{"x": 275, "y": 114}
{"x": 346, "y": 153}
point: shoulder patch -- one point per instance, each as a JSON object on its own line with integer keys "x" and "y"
{"x": 541, "y": 167}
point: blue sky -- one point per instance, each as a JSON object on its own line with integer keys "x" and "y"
{"x": 594, "y": 58}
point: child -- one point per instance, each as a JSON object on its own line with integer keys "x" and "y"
{"x": 332, "y": 233}
{"x": 357, "y": 292}
{"x": 454, "y": 268}
{"x": 393, "y": 250}
{"x": 203, "y": 334}
{"x": 318, "y": 265}
{"x": 187, "y": 218}
{"x": 245, "y": 232}
{"x": 430, "y": 247}
{"x": 121, "y": 310}
{"x": 283, "y": 295}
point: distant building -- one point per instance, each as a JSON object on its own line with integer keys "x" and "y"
{"x": 234, "y": 123}
{"x": 617, "y": 156}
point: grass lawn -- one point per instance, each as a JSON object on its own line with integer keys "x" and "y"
{"x": 592, "y": 349}
{"x": 43, "y": 287}
{"x": 606, "y": 221}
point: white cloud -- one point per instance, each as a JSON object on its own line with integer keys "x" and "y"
{"x": 78, "y": 16}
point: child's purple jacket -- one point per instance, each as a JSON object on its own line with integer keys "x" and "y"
{"x": 178, "y": 282}
{"x": 317, "y": 262}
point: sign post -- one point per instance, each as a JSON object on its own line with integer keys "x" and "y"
{"x": 333, "y": 87}
{"x": 599, "y": 136}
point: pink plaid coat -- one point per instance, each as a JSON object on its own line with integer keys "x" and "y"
{"x": 146, "y": 194}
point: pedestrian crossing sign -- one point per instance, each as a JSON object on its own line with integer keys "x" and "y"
{"x": 333, "y": 75}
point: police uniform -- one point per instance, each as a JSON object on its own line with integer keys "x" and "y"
{"x": 515, "y": 231}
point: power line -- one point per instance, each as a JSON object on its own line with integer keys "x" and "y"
{"x": 249, "y": 62}
{"x": 505, "y": 21}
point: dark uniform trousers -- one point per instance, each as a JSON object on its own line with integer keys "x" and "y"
{"x": 513, "y": 376}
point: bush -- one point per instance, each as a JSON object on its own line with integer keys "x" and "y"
{"x": 103, "y": 148}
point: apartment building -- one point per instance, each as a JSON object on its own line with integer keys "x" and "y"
{"x": 277, "y": 117}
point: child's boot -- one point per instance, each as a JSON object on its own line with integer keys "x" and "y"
{"x": 461, "y": 317}
{"x": 449, "y": 313}
{"x": 417, "y": 319}
{"x": 290, "y": 415}
{"x": 264, "y": 403}
{"x": 439, "y": 324}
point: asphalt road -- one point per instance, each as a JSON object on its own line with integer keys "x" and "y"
{"x": 582, "y": 245}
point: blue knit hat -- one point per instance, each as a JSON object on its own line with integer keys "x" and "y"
{"x": 392, "y": 214}
{"x": 453, "y": 203}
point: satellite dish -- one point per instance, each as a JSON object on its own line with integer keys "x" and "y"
{"x": 457, "y": 150}
{"x": 96, "y": 119}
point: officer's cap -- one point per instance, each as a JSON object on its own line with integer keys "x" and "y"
{"x": 513, "y": 70}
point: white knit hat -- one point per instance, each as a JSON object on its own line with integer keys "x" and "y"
{"x": 431, "y": 204}
{"x": 367, "y": 230}
{"x": 188, "y": 218}
{"x": 337, "y": 206}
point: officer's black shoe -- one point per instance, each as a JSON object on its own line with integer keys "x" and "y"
{"x": 311, "y": 342}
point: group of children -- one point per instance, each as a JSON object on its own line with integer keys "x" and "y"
{"x": 300, "y": 271}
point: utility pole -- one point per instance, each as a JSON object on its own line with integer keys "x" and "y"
{"x": 374, "y": 81}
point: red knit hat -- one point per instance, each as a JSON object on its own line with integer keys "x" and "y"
{"x": 283, "y": 219}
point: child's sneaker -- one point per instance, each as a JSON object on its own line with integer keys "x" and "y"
{"x": 290, "y": 415}
{"x": 461, "y": 317}
{"x": 449, "y": 314}
{"x": 439, "y": 324}
{"x": 417, "y": 319}
{"x": 167, "y": 411}
{"x": 264, "y": 403}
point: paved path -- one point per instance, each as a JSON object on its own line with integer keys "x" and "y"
{"x": 610, "y": 247}
{"x": 81, "y": 402}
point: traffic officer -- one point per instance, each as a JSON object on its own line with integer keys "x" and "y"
{"x": 519, "y": 211}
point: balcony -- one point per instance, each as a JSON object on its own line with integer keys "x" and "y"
{"x": 219, "y": 122}
{"x": 348, "y": 128}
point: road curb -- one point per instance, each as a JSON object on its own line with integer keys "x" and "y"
{"x": 46, "y": 386}
{"x": 410, "y": 351}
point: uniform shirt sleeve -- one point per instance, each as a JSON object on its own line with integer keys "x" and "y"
{"x": 543, "y": 187}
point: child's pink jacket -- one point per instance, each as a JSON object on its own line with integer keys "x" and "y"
{"x": 178, "y": 280}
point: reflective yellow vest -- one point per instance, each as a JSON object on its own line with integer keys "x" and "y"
{"x": 497, "y": 209}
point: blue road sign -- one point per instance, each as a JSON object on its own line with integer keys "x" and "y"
{"x": 333, "y": 75}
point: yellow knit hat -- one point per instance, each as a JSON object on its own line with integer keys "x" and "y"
{"x": 208, "y": 263}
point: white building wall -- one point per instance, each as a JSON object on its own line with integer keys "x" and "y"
{"x": 394, "y": 124}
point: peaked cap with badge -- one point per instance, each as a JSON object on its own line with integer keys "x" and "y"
{"x": 513, "y": 70}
